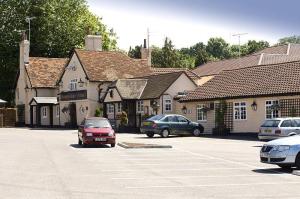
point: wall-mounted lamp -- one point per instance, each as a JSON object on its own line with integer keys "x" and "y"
{"x": 27, "y": 88}
{"x": 254, "y": 106}
{"x": 81, "y": 83}
{"x": 184, "y": 110}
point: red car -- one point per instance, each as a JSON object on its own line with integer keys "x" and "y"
{"x": 96, "y": 131}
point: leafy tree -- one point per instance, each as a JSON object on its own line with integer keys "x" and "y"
{"x": 198, "y": 52}
{"x": 218, "y": 48}
{"x": 135, "y": 52}
{"x": 254, "y": 46}
{"x": 292, "y": 39}
{"x": 168, "y": 56}
{"x": 59, "y": 26}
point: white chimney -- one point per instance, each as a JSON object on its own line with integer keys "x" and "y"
{"x": 146, "y": 53}
{"x": 93, "y": 43}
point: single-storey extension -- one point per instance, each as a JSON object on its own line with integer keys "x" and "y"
{"x": 241, "y": 99}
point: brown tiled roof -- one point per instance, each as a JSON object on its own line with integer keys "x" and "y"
{"x": 264, "y": 80}
{"x": 213, "y": 68}
{"x": 45, "y": 72}
{"x": 110, "y": 66}
{"x": 281, "y": 49}
{"x": 272, "y": 55}
{"x": 158, "y": 84}
{"x": 190, "y": 73}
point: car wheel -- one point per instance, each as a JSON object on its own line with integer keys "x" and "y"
{"x": 297, "y": 161}
{"x": 196, "y": 132}
{"x": 113, "y": 145}
{"x": 79, "y": 142}
{"x": 285, "y": 167}
{"x": 150, "y": 134}
{"x": 164, "y": 133}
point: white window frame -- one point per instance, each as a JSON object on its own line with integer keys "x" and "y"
{"x": 73, "y": 85}
{"x": 119, "y": 107}
{"x": 201, "y": 115}
{"x": 240, "y": 111}
{"x": 168, "y": 105}
{"x": 57, "y": 111}
{"x": 44, "y": 112}
{"x": 140, "y": 106}
{"x": 274, "y": 113}
{"x": 110, "y": 108}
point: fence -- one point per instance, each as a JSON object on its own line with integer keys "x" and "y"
{"x": 7, "y": 117}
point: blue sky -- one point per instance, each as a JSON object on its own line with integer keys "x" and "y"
{"x": 190, "y": 21}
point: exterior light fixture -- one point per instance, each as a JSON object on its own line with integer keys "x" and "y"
{"x": 254, "y": 106}
{"x": 184, "y": 110}
{"x": 81, "y": 83}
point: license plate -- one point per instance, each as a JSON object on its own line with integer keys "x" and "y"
{"x": 100, "y": 139}
{"x": 268, "y": 131}
{"x": 147, "y": 123}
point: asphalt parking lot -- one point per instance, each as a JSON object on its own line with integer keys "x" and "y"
{"x": 50, "y": 164}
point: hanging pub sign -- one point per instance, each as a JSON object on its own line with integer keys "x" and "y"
{"x": 73, "y": 95}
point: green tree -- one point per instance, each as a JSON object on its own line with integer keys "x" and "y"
{"x": 292, "y": 39}
{"x": 254, "y": 46}
{"x": 59, "y": 26}
{"x": 218, "y": 48}
{"x": 135, "y": 52}
{"x": 198, "y": 52}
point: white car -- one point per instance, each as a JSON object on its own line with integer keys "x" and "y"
{"x": 279, "y": 127}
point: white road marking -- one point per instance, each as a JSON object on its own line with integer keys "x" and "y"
{"x": 167, "y": 169}
{"x": 178, "y": 177}
{"x": 213, "y": 185}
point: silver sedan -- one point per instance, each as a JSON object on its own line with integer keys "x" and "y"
{"x": 284, "y": 152}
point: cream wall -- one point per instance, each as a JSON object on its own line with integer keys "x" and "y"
{"x": 191, "y": 114}
{"x": 251, "y": 124}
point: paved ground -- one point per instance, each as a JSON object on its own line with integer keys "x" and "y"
{"x": 49, "y": 164}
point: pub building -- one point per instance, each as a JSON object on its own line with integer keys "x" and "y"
{"x": 62, "y": 92}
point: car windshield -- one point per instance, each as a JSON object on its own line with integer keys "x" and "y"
{"x": 271, "y": 123}
{"x": 156, "y": 117}
{"x": 94, "y": 123}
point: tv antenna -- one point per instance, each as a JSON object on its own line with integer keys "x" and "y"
{"x": 28, "y": 20}
{"x": 239, "y": 37}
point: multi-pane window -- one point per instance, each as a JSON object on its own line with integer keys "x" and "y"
{"x": 201, "y": 113}
{"x": 240, "y": 111}
{"x": 44, "y": 112}
{"x": 168, "y": 105}
{"x": 57, "y": 111}
{"x": 119, "y": 107}
{"x": 73, "y": 85}
{"x": 140, "y": 106}
{"x": 110, "y": 108}
{"x": 272, "y": 109}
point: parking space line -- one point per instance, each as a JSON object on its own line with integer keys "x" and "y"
{"x": 213, "y": 185}
{"x": 182, "y": 177}
{"x": 167, "y": 169}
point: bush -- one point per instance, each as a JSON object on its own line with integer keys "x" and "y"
{"x": 98, "y": 112}
{"x": 124, "y": 118}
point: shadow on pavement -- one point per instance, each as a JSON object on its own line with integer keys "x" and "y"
{"x": 77, "y": 146}
{"x": 235, "y": 136}
{"x": 273, "y": 171}
{"x": 159, "y": 137}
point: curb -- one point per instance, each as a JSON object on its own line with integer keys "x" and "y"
{"x": 143, "y": 146}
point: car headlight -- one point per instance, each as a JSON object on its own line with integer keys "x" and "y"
{"x": 89, "y": 134}
{"x": 281, "y": 148}
{"x": 111, "y": 134}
